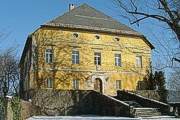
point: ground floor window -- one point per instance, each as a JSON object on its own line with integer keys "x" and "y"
{"x": 118, "y": 84}
{"x": 140, "y": 85}
{"x": 75, "y": 83}
{"x": 49, "y": 83}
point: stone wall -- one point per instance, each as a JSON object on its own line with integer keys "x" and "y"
{"x": 76, "y": 102}
{"x": 152, "y": 94}
{"x": 145, "y": 102}
{"x": 16, "y": 109}
{"x": 108, "y": 106}
{"x": 62, "y": 102}
{"x": 28, "y": 110}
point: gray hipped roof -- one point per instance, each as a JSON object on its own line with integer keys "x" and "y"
{"x": 86, "y": 17}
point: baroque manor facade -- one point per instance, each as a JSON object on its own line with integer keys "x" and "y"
{"x": 85, "y": 49}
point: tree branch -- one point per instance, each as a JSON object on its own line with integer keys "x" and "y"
{"x": 178, "y": 60}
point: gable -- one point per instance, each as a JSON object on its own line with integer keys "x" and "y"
{"x": 86, "y": 17}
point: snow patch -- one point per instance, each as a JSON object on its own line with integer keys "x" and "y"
{"x": 148, "y": 99}
{"x": 116, "y": 100}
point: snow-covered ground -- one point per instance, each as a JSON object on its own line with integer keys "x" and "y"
{"x": 95, "y": 117}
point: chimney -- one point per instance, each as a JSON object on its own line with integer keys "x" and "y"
{"x": 71, "y": 6}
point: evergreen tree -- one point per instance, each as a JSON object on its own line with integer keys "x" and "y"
{"x": 150, "y": 81}
{"x": 161, "y": 81}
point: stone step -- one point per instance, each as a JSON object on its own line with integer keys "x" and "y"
{"x": 133, "y": 103}
{"x": 146, "y": 112}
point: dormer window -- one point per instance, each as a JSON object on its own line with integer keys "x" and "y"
{"x": 97, "y": 37}
{"x": 117, "y": 39}
{"x": 75, "y": 35}
{"x": 61, "y": 32}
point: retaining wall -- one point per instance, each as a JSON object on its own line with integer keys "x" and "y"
{"x": 76, "y": 102}
{"x": 145, "y": 102}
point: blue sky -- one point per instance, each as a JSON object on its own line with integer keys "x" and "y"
{"x": 22, "y": 17}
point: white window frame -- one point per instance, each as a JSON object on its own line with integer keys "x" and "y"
{"x": 75, "y": 83}
{"x": 49, "y": 55}
{"x": 49, "y": 83}
{"x": 117, "y": 39}
{"x": 118, "y": 84}
{"x": 140, "y": 85}
{"x": 117, "y": 59}
{"x": 75, "y": 35}
{"x": 97, "y": 58}
{"x": 75, "y": 57}
{"x": 97, "y": 37}
{"x": 139, "y": 61}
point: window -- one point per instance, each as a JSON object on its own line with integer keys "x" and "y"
{"x": 75, "y": 83}
{"x": 118, "y": 84}
{"x": 61, "y": 32}
{"x": 97, "y": 58}
{"x": 75, "y": 57}
{"x": 97, "y": 37}
{"x": 117, "y": 39}
{"x": 139, "y": 85}
{"x": 49, "y": 56}
{"x": 49, "y": 83}
{"x": 138, "y": 61}
{"x": 75, "y": 35}
{"x": 117, "y": 60}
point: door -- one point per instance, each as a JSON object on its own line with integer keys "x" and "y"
{"x": 98, "y": 85}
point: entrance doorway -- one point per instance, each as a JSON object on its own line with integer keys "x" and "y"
{"x": 98, "y": 85}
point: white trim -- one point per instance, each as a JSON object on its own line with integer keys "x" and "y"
{"x": 117, "y": 39}
{"x": 118, "y": 84}
{"x": 75, "y": 83}
{"x": 93, "y": 71}
{"x": 92, "y": 43}
{"x": 74, "y": 35}
{"x": 83, "y": 16}
{"x": 61, "y": 31}
{"x": 149, "y": 99}
{"x": 49, "y": 55}
{"x": 97, "y": 37}
{"x": 49, "y": 83}
{"x": 138, "y": 61}
{"x": 100, "y": 76}
{"x": 117, "y": 100}
{"x": 117, "y": 60}
{"x": 75, "y": 54}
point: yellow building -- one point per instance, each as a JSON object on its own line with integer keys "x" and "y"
{"x": 84, "y": 49}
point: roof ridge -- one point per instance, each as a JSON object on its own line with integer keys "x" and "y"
{"x": 110, "y": 17}
{"x": 88, "y": 18}
{"x": 65, "y": 13}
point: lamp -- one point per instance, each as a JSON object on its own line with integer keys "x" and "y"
{"x": 5, "y": 89}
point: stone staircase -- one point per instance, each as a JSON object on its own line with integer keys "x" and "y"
{"x": 133, "y": 104}
{"x": 138, "y": 111}
{"x": 141, "y": 106}
{"x": 146, "y": 112}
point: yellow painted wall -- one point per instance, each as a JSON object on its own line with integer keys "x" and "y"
{"x": 61, "y": 42}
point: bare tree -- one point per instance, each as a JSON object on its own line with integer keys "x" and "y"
{"x": 9, "y": 70}
{"x": 165, "y": 14}
{"x": 173, "y": 84}
{"x": 165, "y": 11}
{"x": 3, "y": 35}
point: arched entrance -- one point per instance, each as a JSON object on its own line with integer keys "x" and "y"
{"x": 98, "y": 84}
